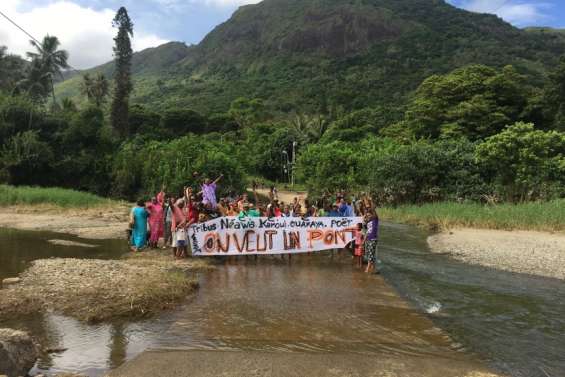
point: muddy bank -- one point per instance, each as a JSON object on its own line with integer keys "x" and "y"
{"x": 529, "y": 252}
{"x": 93, "y": 223}
{"x": 138, "y": 285}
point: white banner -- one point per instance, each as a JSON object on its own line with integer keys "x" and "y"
{"x": 279, "y": 235}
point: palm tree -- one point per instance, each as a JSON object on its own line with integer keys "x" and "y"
{"x": 36, "y": 82}
{"x": 95, "y": 89}
{"x": 308, "y": 129}
{"x": 50, "y": 60}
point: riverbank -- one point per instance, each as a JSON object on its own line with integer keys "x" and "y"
{"x": 533, "y": 216}
{"x": 528, "y": 252}
{"x": 92, "y": 290}
{"x": 526, "y": 238}
{"x": 105, "y": 222}
{"x": 139, "y": 285}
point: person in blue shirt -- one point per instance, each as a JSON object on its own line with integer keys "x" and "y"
{"x": 345, "y": 208}
{"x": 342, "y": 208}
{"x": 349, "y": 212}
{"x": 333, "y": 212}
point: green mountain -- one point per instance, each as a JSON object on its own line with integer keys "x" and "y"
{"x": 320, "y": 55}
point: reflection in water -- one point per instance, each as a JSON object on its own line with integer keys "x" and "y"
{"x": 18, "y": 248}
{"x": 320, "y": 303}
{"x": 118, "y": 345}
{"x": 314, "y": 304}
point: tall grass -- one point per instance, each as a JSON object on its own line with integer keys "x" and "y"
{"x": 24, "y": 195}
{"x": 544, "y": 216}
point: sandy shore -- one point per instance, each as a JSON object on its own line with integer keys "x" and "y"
{"x": 94, "y": 223}
{"x": 536, "y": 253}
{"x": 200, "y": 363}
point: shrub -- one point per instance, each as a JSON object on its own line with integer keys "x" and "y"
{"x": 525, "y": 163}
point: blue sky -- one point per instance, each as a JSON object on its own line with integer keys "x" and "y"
{"x": 84, "y": 26}
{"x": 520, "y": 12}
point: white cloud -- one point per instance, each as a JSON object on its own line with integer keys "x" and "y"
{"x": 173, "y": 4}
{"x": 87, "y": 34}
{"x": 230, "y": 3}
{"x": 515, "y": 12}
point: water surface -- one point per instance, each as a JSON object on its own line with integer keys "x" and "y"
{"x": 18, "y": 248}
{"x": 322, "y": 303}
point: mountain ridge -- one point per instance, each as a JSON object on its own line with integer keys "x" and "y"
{"x": 310, "y": 55}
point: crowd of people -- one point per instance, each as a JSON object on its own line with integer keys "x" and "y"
{"x": 167, "y": 217}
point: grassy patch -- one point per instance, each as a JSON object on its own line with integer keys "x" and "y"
{"x": 24, "y": 195}
{"x": 542, "y": 216}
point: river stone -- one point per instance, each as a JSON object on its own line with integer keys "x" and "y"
{"x": 17, "y": 353}
{"x": 71, "y": 243}
{"x": 9, "y": 281}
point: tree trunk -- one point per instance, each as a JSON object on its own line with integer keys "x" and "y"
{"x": 53, "y": 91}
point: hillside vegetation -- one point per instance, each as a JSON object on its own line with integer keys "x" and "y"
{"x": 413, "y": 101}
{"x": 326, "y": 55}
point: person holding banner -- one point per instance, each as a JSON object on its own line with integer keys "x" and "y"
{"x": 371, "y": 240}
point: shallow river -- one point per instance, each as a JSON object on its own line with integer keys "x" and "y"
{"x": 322, "y": 303}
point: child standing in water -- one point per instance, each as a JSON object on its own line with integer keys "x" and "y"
{"x": 358, "y": 252}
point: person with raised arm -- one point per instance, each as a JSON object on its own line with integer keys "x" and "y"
{"x": 209, "y": 192}
{"x": 155, "y": 209}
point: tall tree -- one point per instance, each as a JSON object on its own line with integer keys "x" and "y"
{"x": 11, "y": 69}
{"x": 95, "y": 89}
{"x": 122, "y": 75}
{"x": 555, "y": 96}
{"x": 49, "y": 61}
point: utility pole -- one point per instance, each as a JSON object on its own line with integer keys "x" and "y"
{"x": 294, "y": 144}
{"x": 286, "y": 168}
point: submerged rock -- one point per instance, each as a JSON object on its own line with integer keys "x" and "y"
{"x": 17, "y": 353}
{"x": 71, "y": 243}
{"x": 9, "y": 281}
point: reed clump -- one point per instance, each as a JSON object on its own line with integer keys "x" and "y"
{"x": 539, "y": 216}
{"x": 31, "y": 196}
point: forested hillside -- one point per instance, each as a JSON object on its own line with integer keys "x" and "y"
{"x": 321, "y": 55}
{"x": 412, "y": 100}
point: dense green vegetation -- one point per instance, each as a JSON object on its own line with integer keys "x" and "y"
{"x": 542, "y": 216}
{"x": 328, "y": 56}
{"x": 396, "y": 111}
{"x": 24, "y": 195}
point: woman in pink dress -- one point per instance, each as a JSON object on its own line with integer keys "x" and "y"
{"x": 155, "y": 222}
